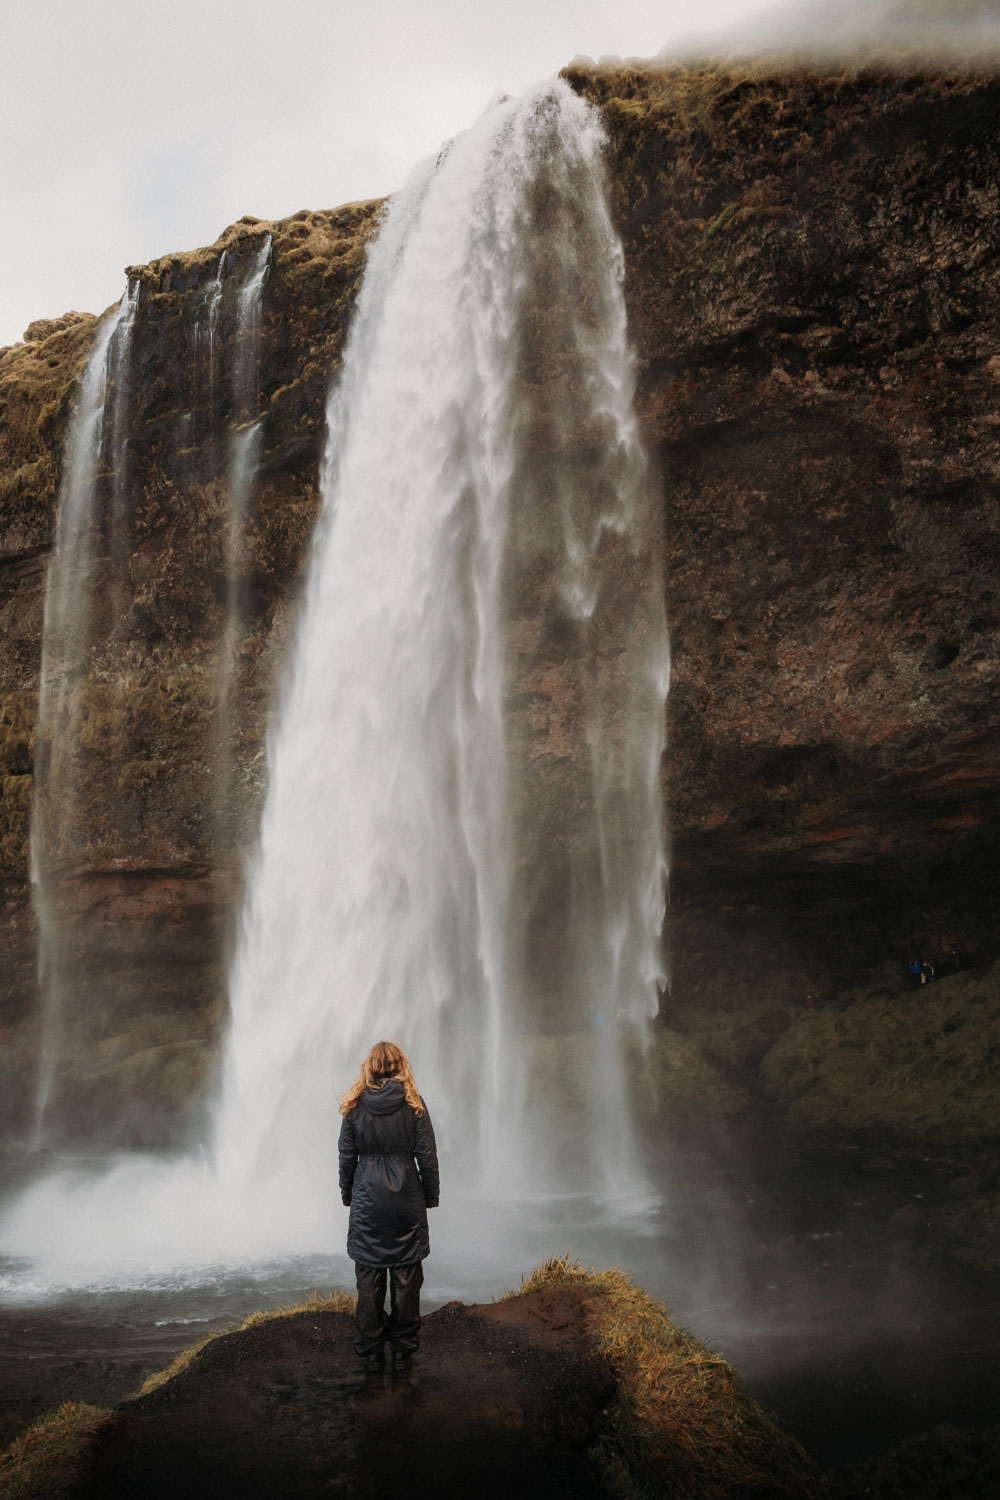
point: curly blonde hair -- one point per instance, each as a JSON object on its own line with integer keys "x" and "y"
{"x": 384, "y": 1063}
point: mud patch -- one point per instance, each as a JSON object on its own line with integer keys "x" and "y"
{"x": 501, "y": 1400}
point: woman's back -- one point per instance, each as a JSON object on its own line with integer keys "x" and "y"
{"x": 388, "y": 1165}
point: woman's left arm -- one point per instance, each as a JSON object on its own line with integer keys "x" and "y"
{"x": 348, "y": 1151}
{"x": 425, "y": 1150}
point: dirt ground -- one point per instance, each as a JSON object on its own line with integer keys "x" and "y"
{"x": 502, "y": 1401}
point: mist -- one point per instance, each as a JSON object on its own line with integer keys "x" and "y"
{"x": 895, "y": 31}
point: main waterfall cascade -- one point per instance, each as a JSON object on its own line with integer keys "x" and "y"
{"x": 462, "y": 845}
{"x": 482, "y": 438}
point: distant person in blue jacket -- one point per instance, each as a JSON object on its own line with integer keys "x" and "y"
{"x": 389, "y": 1178}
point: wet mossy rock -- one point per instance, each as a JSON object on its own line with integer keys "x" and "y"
{"x": 917, "y": 1066}
{"x": 145, "y": 810}
{"x": 813, "y": 292}
{"x": 578, "y": 1385}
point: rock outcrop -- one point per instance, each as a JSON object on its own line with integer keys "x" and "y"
{"x": 917, "y": 1065}
{"x": 812, "y": 280}
{"x": 580, "y": 1386}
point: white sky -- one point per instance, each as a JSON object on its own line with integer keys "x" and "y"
{"x": 130, "y": 130}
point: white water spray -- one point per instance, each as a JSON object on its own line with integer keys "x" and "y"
{"x": 461, "y": 846}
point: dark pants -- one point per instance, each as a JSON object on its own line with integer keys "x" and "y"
{"x": 402, "y": 1326}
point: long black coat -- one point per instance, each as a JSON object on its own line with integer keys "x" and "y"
{"x": 389, "y": 1176}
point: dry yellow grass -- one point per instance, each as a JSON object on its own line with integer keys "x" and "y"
{"x": 681, "y": 1425}
{"x": 43, "y": 1463}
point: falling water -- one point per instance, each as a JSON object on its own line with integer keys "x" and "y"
{"x": 484, "y": 475}
{"x": 96, "y": 432}
{"x": 461, "y": 846}
{"x": 196, "y": 428}
{"x": 213, "y": 306}
{"x": 246, "y": 361}
{"x": 245, "y": 438}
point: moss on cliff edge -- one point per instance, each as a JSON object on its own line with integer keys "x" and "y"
{"x": 37, "y": 380}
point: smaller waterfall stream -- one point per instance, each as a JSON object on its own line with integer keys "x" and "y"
{"x": 244, "y": 447}
{"x": 213, "y": 307}
{"x": 97, "y": 434}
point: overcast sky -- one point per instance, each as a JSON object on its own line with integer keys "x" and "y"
{"x": 130, "y": 130}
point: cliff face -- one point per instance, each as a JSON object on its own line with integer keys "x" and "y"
{"x": 168, "y": 785}
{"x": 811, "y": 273}
{"x": 812, "y": 282}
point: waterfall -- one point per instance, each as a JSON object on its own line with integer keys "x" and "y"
{"x": 482, "y": 444}
{"x": 213, "y": 306}
{"x": 96, "y": 435}
{"x": 246, "y": 362}
{"x": 461, "y": 847}
{"x": 245, "y": 434}
{"x": 245, "y": 439}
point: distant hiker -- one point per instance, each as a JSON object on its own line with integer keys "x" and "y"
{"x": 926, "y": 971}
{"x": 953, "y": 960}
{"x": 389, "y": 1178}
{"x": 916, "y": 968}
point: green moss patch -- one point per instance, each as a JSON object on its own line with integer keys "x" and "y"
{"x": 917, "y": 1066}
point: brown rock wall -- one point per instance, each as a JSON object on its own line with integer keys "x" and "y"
{"x": 814, "y": 298}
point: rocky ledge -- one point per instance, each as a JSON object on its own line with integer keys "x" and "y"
{"x": 579, "y": 1386}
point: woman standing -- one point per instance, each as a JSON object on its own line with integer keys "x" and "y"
{"x": 389, "y": 1177}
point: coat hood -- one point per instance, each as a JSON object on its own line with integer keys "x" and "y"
{"x": 385, "y": 1100}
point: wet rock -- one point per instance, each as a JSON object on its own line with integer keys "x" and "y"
{"x": 919, "y": 1066}
{"x": 508, "y": 1397}
{"x": 689, "y": 1087}
{"x": 813, "y": 295}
